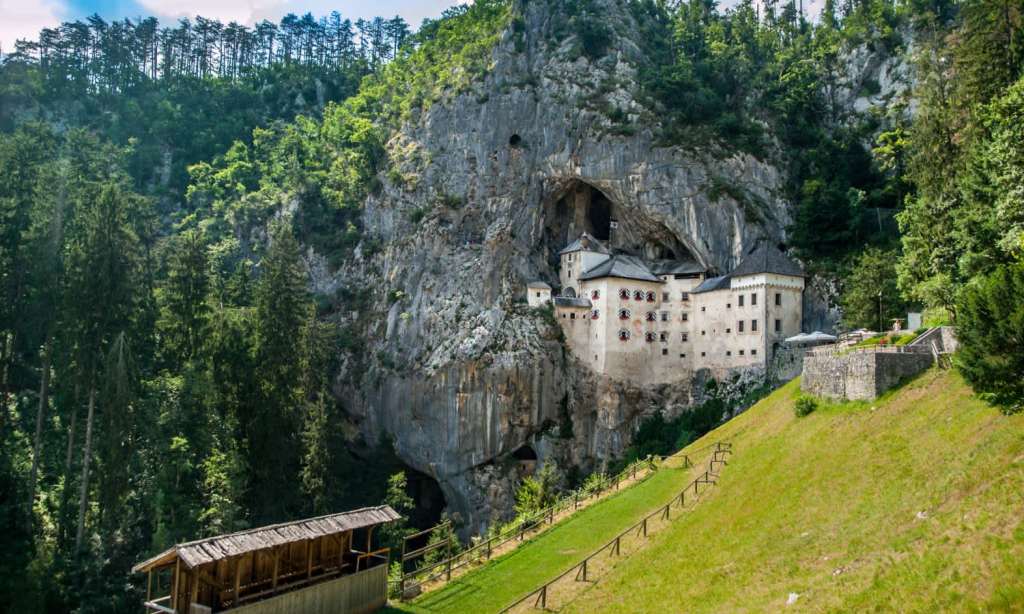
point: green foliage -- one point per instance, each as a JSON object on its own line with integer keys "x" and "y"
{"x": 658, "y": 436}
{"x": 536, "y": 492}
{"x": 870, "y": 296}
{"x": 990, "y": 322}
{"x": 804, "y": 406}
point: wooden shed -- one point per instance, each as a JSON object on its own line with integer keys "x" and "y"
{"x": 308, "y": 566}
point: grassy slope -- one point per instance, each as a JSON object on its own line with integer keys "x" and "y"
{"x": 506, "y": 578}
{"x": 827, "y": 506}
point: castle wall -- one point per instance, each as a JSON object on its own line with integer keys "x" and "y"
{"x": 859, "y": 375}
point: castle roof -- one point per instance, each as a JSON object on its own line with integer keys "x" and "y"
{"x": 571, "y": 301}
{"x": 538, "y": 284}
{"x": 677, "y": 267}
{"x": 713, "y": 283}
{"x": 623, "y": 266}
{"x": 586, "y": 242}
{"x": 765, "y": 258}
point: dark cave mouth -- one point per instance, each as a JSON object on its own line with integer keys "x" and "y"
{"x": 581, "y": 207}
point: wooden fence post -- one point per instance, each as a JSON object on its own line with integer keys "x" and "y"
{"x": 576, "y": 500}
{"x": 448, "y": 552}
{"x": 645, "y": 527}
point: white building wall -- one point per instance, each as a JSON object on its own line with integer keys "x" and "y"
{"x": 536, "y": 297}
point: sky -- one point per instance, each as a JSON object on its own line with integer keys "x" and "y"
{"x": 24, "y": 18}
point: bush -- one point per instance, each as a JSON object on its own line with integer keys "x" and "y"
{"x": 990, "y": 318}
{"x": 805, "y": 406}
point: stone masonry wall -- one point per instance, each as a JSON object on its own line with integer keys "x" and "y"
{"x": 859, "y": 375}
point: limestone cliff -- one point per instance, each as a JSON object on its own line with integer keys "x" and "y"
{"x": 483, "y": 190}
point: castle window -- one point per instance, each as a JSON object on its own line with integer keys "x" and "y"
{"x": 664, "y": 316}
{"x": 650, "y": 297}
{"x": 682, "y": 355}
{"x": 728, "y": 330}
{"x": 728, "y": 353}
{"x": 665, "y": 296}
{"x": 664, "y": 351}
{"x": 753, "y": 352}
{"x": 728, "y": 305}
{"x": 753, "y": 326}
{"x": 703, "y": 354}
{"x": 686, "y": 316}
{"x": 686, "y": 337}
{"x": 741, "y": 352}
{"x": 538, "y": 295}
{"x": 739, "y": 326}
{"x": 703, "y": 308}
{"x": 572, "y": 316}
{"x": 685, "y": 296}
{"x": 778, "y": 298}
{"x": 703, "y": 332}
{"x": 624, "y": 294}
{"x": 623, "y": 334}
{"x": 753, "y": 299}
{"x": 663, "y": 337}
{"x": 741, "y": 300}
{"x": 778, "y": 325}
{"x": 651, "y": 317}
{"x": 594, "y": 314}
{"x": 638, "y": 295}
{"x": 624, "y": 314}
{"x": 649, "y": 337}
{"x": 595, "y": 294}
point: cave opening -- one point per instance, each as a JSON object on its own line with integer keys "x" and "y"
{"x": 428, "y": 496}
{"x": 578, "y": 208}
{"x": 525, "y": 453}
{"x": 515, "y": 140}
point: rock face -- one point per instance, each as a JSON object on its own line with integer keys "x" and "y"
{"x": 481, "y": 196}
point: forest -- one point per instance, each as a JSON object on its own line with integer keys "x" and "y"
{"x": 166, "y": 372}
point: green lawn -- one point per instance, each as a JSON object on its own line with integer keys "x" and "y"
{"x": 913, "y": 503}
{"x": 507, "y": 578}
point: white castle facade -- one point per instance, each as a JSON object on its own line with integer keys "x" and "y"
{"x": 657, "y": 322}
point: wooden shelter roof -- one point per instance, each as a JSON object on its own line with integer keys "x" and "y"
{"x": 211, "y": 549}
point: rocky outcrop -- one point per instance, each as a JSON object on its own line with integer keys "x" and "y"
{"x": 453, "y": 366}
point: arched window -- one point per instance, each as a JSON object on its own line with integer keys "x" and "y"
{"x": 650, "y": 297}
{"x": 651, "y": 316}
{"x": 624, "y": 294}
{"x": 624, "y": 314}
{"x": 595, "y": 294}
{"x": 623, "y": 334}
{"x": 594, "y": 314}
{"x": 638, "y": 295}
{"x": 649, "y": 337}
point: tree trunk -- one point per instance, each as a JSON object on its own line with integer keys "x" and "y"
{"x": 6, "y": 356}
{"x": 65, "y": 492}
{"x": 87, "y": 453}
{"x": 44, "y": 394}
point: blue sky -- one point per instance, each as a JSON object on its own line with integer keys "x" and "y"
{"x": 24, "y": 18}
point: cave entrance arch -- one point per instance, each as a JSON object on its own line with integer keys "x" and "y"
{"x": 577, "y": 208}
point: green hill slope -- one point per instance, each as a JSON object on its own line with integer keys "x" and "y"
{"x": 912, "y": 503}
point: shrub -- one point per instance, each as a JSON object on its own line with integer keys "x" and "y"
{"x": 990, "y": 318}
{"x": 805, "y": 406}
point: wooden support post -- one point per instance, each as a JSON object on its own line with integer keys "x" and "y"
{"x": 448, "y": 556}
{"x": 489, "y": 548}
{"x": 277, "y": 567}
{"x": 238, "y": 581}
{"x": 645, "y": 527}
{"x": 369, "y": 539}
{"x": 634, "y": 471}
{"x": 401, "y": 569}
{"x": 585, "y": 561}
{"x": 615, "y": 548}
{"x": 309, "y": 558}
{"x": 542, "y": 598}
{"x": 175, "y": 584}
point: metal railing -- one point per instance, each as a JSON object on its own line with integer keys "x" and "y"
{"x": 583, "y": 568}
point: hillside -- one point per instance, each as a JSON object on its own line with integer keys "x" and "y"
{"x": 911, "y": 503}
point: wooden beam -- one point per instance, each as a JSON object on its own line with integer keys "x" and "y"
{"x": 193, "y": 587}
{"x": 175, "y": 586}
{"x": 149, "y": 585}
{"x": 369, "y": 538}
{"x": 277, "y": 561}
{"x": 309, "y": 558}
{"x": 238, "y": 579}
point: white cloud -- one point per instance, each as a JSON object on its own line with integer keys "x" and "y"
{"x": 242, "y": 11}
{"x": 25, "y": 18}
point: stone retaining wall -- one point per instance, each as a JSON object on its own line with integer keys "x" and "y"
{"x": 859, "y": 375}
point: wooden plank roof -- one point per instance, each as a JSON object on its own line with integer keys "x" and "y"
{"x": 211, "y": 549}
